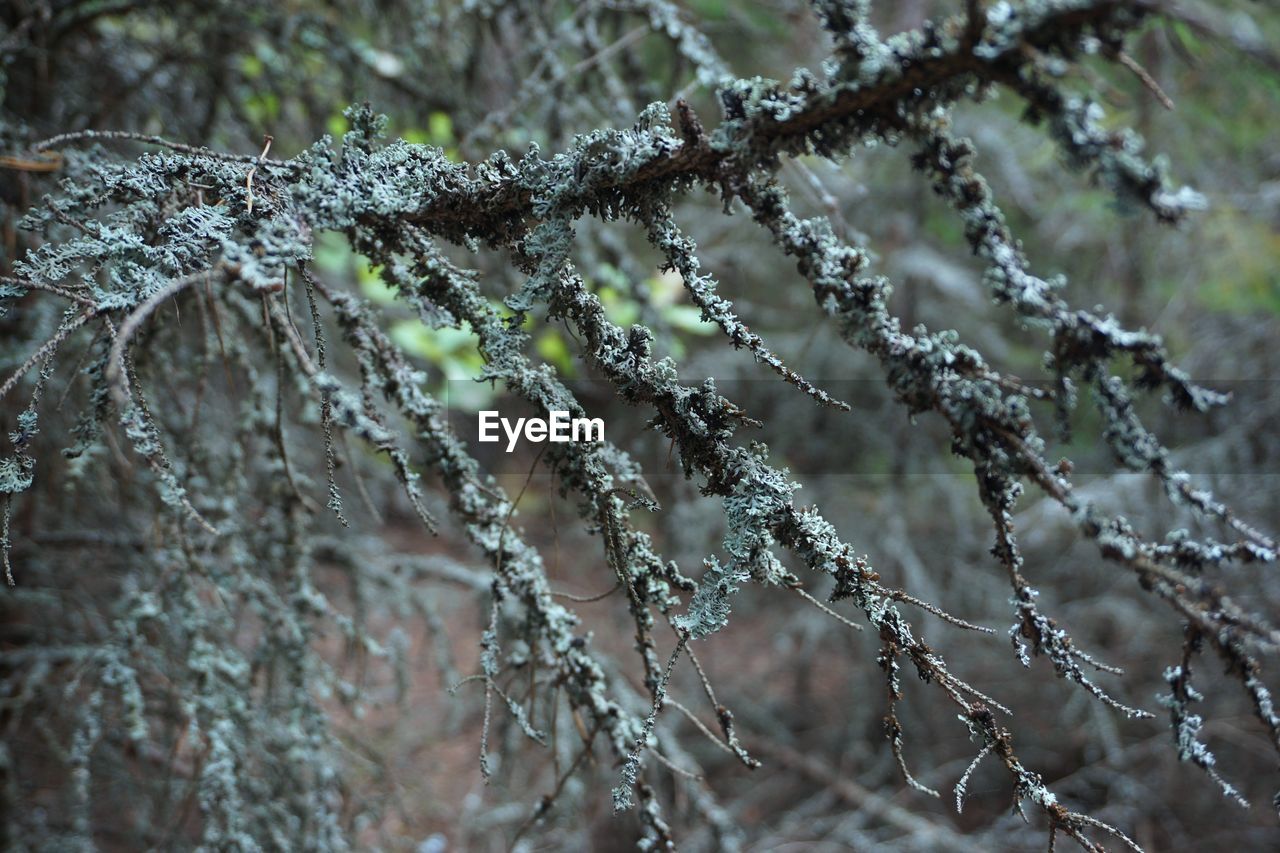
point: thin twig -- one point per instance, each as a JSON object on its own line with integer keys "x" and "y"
{"x": 825, "y": 609}
{"x": 109, "y": 135}
{"x": 46, "y": 349}
{"x": 114, "y": 373}
{"x": 248, "y": 181}
{"x": 1147, "y": 80}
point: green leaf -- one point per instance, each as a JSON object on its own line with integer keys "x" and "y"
{"x": 687, "y": 318}
{"x": 552, "y": 347}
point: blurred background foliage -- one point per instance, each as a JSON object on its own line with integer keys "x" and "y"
{"x": 472, "y": 77}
